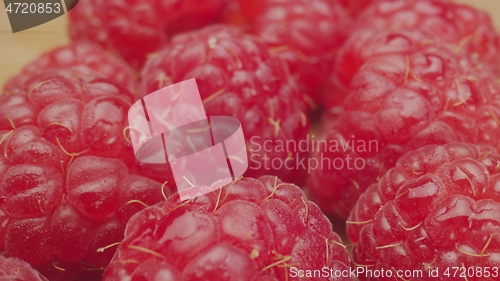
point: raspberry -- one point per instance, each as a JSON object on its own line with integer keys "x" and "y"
{"x": 305, "y": 34}
{"x": 438, "y": 208}
{"x": 362, "y": 46}
{"x": 66, "y": 188}
{"x": 14, "y": 269}
{"x": 466, "y": 29}
{"x": 195, "y": 14}
{"x": 135, "y": 28}
{"x": 411, "y": 94}
{"x": 232, "y": 15}
{"x": 355, "y": 7}
{"x": 237, "y": 77}
{"x": 85, "y": 58}
{"x": 252, "y": 229}
{"x": 251, "y": 9}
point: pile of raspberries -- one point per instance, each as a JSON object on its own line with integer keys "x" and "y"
{"x": 372, "y": 129}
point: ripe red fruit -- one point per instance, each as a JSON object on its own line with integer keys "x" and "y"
{"x": 134, "y": 28}
{"x": 438, "y": 208}
{"x": 232, "y": 15}
{"x": 251, "y": 9}
{"x": 15, "y": 269}
{"x": 412, "y": 93}
{"x": 307, "y": 35}
{"x": 66, "y": 188}
{"x": 194, "y": 14}
{"x": 252, "y": 229}
{"x": 237, "y": 77}
{"x": 463, "y": 29}
{"x": 466, "y": 29}
{"x": 364, "y": 45}
{"x": 85, "y": 58}
{"x": 355, "y": 7}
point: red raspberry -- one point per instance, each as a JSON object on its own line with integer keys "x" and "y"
{"x": 195, "y": 14}
{"x": 307, "y": 35}
{"x": 135, "y": 28}
{"x": 232, "y": 15}
{"x": 14, "y": 269}
{"x": 253, "y": 8}
{"x": 65, "y": 186}
{"x": 237, "y": 77}
{"x": 355, "y": 7}
{"x": 438, "y": 208}
{"x": 84, "y": 58}
{"x": 412, "y": 94}
{"x": 461, "y": 27}
{"x": 466, "y": 29}
{"x": 362, "y": 46}
{"x": 252, "y": 229}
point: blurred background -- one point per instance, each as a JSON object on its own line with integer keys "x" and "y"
{"x": 19, "y": 49}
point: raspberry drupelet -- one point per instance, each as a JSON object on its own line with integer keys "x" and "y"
{"x": 15, "y": 269}
{"x": 355, "y": 7}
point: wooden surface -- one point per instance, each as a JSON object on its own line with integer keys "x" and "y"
{"x": 16, "y": 50}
